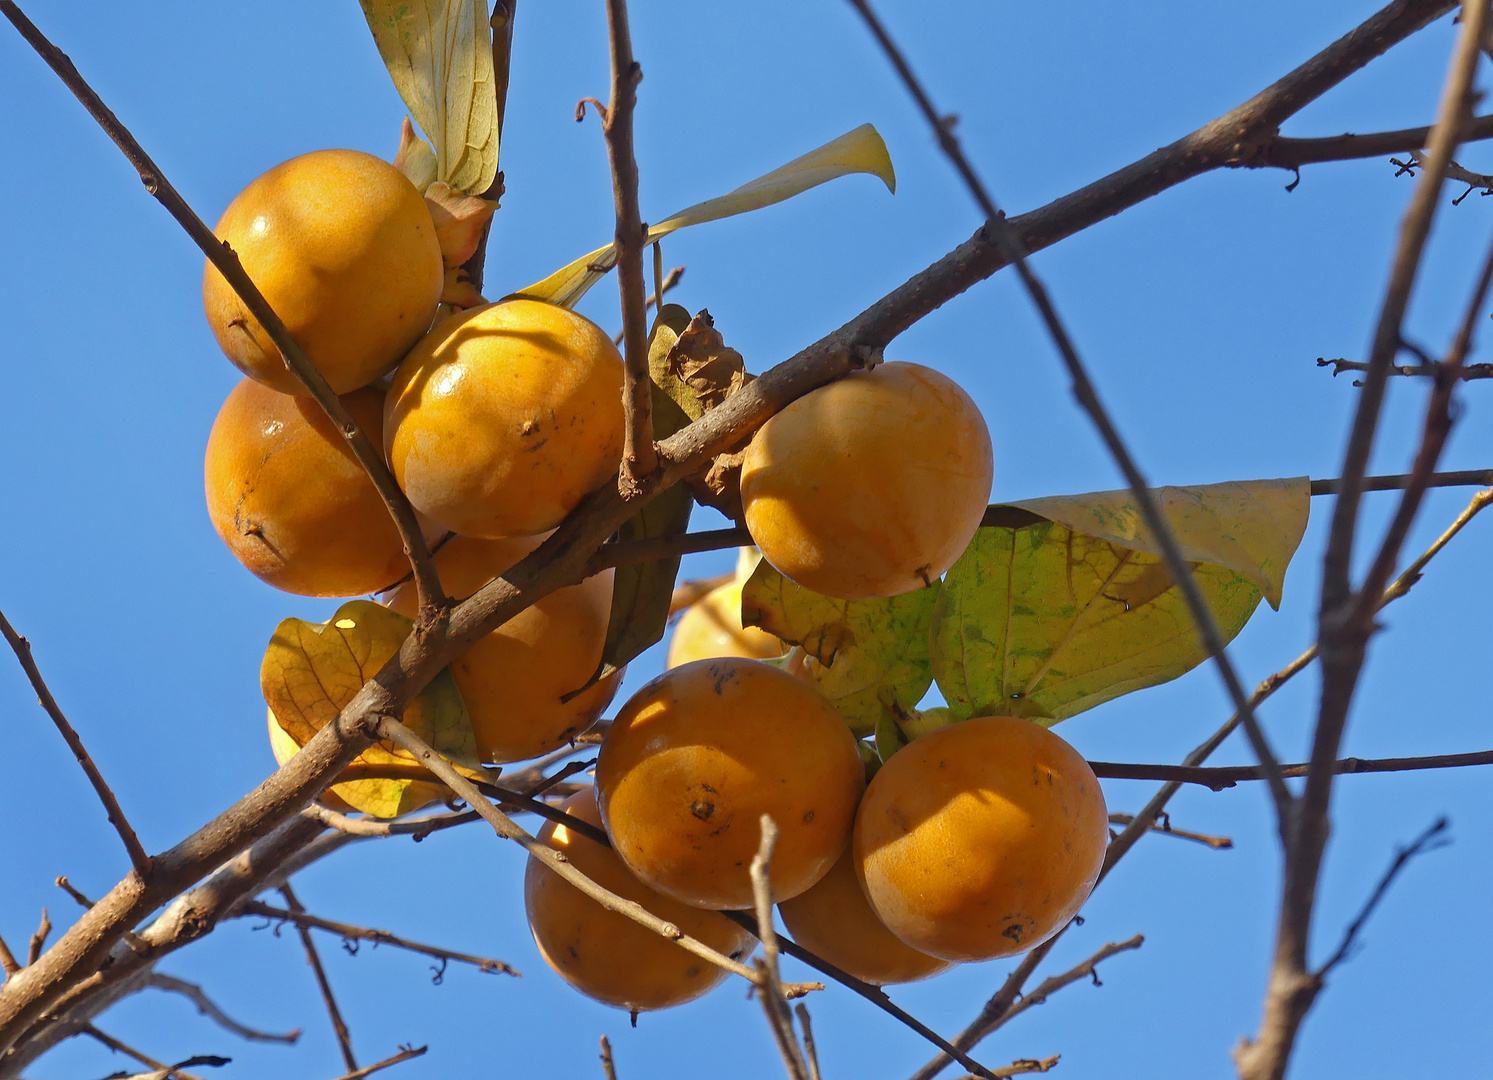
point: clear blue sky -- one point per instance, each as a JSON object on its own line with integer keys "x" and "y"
{"x": 1201, "y": 313}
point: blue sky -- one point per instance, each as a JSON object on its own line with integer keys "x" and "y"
{"x": 1201, "y": 313}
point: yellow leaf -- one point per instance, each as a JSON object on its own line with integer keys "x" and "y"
{"x": 439, "y": 54}
{"x": 858, "y": 151}
{"x": 1066, "y": 604}
{"x": 311, "y": 671}
{"x": 384, "y": 798}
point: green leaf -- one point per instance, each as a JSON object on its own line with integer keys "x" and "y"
{"x": 870, "y": 658}
{"x": 439, "y": 54}
{"x": 311, "y": 671}
{"x": 641, "y": 592}
{"x": 1065, "y": 603}
{"x": 858, "y": 151}
{"x": 889, "y": 737}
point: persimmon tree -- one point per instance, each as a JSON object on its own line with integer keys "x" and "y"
{"x": 1058, "y": 605}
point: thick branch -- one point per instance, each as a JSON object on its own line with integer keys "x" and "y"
{"x": 639, "y": 458}
{"x": 22, "y": 648}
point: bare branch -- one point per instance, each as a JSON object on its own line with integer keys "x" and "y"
{"x": 1085, "y": 970}
{"x": 609, "y": 1070}
{"x": 162, "y": 1070}
{"x": 1285, "y": 153}
{"x": 802, "y": 1012}
{"x": 639, "y": 459}
{"x": 1433, "y": 838}
{"x": 1009, "y": 244}
{"x": 8, "y": 963}
{"x": 339, "y": 1026}
{"x": 208, "y": 1008}
{"x": 1021, "y": 1066}
{"x": 405, "y": 1053}
{"x": 303, "y": 920}
{"x": 419, "y": 828}
{"x": 227, "y": 262}
{"x": 39, "y": 939}
{"x": 22, "y": 648}
{"x": 769, "y": 981}
{"x": 392, "y": 730}
{"x": 1467, "y": 373}
{"x": 660, "y": 290}
{"x": 78, "y": 898}
{"x": 1227, "y": 776}
{"x": 1164, "y": 826}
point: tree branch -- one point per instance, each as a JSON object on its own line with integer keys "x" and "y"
{"x": 405, "y": 1053}
{"x": 655, "y": 300}
{"x": 1086, "y": 970}
{"x": 38, "y": 939}
{"x": 162, "y": 1070}
{"x": 608, "y": 1068}
{"x": 1227, "y": 776}
{"x": 305, "y": 921}
{"x": 209, "y": 1008}
{"x": 22, "y": 648}
{"x": 1467, "y": 373}
{"x": 1164, "y": 826}
{"x": 639, "y": 459}
{"x": 769, "y": 981}
{"x": 339, "y": 1026}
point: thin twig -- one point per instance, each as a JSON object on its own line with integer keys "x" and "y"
{"x": 1012, "y": 250}
{"x": 662, "y": 289}
{"x": 405, "y": 1053}
{"x": 427, "y": 582}
{"x": 419, "y": 828}
{"x": 1220, "y": 777}
{"x": 339, "y": 1026}
{"x": 639, "y": 458}
{"x": 162, "y": 1070}
{"x": 22, "y": 648}
{"x": 1022, "y": 1066}
{"x": 802, "y": 1012}
{"x": 1287, "y": 153}
{"x": 208, "y": 1008}
{"x": 78, "y": 898}
{"x": 769, "y": 980}
{"x": 38, "y": 939}
{"x": 1433, "y": 838}
{"x": 8, "y": 963}
{"x": 608, "y": 1067}
{"x": 1164, "y": 826}
{"x": 392, "y": 730}
{"x": 305, "y": 921}
{"x": 1469, "y": 372}
{"x": 1086, "y": 970}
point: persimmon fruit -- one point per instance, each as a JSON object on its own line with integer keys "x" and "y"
{"x": 606, "y": 955}
{"x": 834, "y": 921}
{"x": 344, "y": 249}
{"x": 711, "y": 627}
{"x": 504, "y": 417}
{"x": 980, "y": 839}
{"x": 512, "y": 680}
{"x": 290, "y": 500}
{"x": 871, "y": 486}
{"x": 695, "y": 758}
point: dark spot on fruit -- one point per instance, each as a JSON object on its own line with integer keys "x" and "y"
{"x": 702, "y": 809}
{"x": 808, "y": 817}
{"x": 574, "y": 955}
{"x": 896, "y": 815}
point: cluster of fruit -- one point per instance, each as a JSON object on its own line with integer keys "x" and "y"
{"x": 978, "y": 840}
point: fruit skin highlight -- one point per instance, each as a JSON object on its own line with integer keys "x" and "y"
{"x": 606, "y": 955}
{"x": 343, "y": 247}
{"x": 711, "y": 627}
{"x": 695, "y": 758}
{"x": 870, "y": 486}
{"x": 504, "y": 417}
{"x": 834, "y": 921}
{"x": 290, "y": 500}
{"x": 512, "y": 679}
{"x": 981, "y": 839}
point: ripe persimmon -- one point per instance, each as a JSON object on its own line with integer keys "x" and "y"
{"x": 606, "y": 955}
{"x": 290, "y": 500}
{"x": 871, "y": 486}
{"x": 981, "y": 839}
{"x": 695, "y": 758}
{"x": 834, "y": 921}
{"x": 712, "y": 627}
{"x": 504, "y": 417}
{"x": 345, "y": 251}
{"x": 512, "y": 680}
